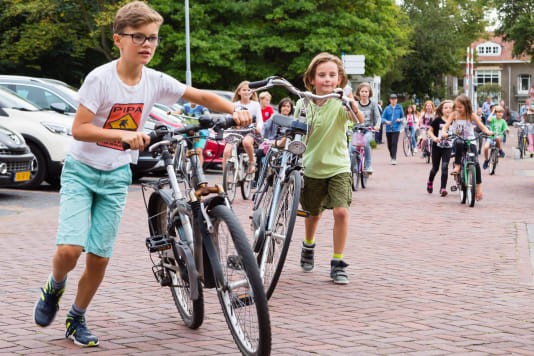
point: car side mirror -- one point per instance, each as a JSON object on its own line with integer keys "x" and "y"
{"x": 59, "y": 107}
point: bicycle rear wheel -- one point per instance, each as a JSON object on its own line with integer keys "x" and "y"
{"x": 241, "y": 293}
{"x": 230, "y": 181}
{"x": 191, "y": 311}
{"x": 274, "y": 253}
{"x": 471, "y": 185}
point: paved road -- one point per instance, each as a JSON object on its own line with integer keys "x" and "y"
{"x": 429, "y": 276}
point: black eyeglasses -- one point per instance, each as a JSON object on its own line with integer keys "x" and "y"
{"x": 140, "y": 39}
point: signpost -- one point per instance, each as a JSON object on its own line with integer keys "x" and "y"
{"x": 353, "y": 63}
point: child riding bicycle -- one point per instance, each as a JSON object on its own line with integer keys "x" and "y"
{"x": 499, "y": 127}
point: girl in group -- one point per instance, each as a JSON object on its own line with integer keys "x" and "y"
{"x": 244, "y": 97}
{"x": 441, "y": 149}
{"x": 411, "y": 122}
{"x": 424, "y": 122}
{"x": 462, "y": 122}
{"x": 372, "y": 118}
{"x": 327, "y": 178}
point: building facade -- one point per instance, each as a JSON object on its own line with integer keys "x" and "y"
{"x": 495, "y": 64}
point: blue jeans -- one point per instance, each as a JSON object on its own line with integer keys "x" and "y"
{"x": 412, "y": 136}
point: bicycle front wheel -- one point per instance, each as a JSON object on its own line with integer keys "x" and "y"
{"x": 406, "y": 144}
{"x": 354, "y": 162}
{"x": 494, "y": 159}
{"x": 246, "y": 186}
{"x": 230, "y": 180}
{"x": 175, "y": 267}
{"x": 241, "y": 293}
{"x": 471, "y": 184}
{"x": 274, "y": 252}
{"x": 463, "y": 185}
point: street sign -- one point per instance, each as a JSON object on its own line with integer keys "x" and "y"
{"x": 354, "y": 63}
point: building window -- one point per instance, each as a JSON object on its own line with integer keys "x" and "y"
{"x": 487, "y": 77}
{"x": 489, "y": 49}
{"x": 523, "y": 84}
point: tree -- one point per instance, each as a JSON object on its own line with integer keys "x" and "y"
{"x": 230, "y": 40}
{"x": 441, "y": 31}
{"x": 516, "y": 19}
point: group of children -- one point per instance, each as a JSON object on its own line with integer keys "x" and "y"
{"x": 90, "y": 210}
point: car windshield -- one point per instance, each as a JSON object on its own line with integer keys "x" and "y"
{"x": 10, "y": 100}
{"x": 66, "y": 89}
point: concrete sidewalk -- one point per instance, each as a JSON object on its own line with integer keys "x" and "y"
{"x": 429, "y": 276}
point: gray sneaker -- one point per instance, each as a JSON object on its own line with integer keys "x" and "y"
{"x": 306, "y": 257}
{"x": 337, "y": 272}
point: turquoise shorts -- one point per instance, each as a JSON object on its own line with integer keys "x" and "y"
{"x": 201, "y": 142}
{"x": 91, "y": 205}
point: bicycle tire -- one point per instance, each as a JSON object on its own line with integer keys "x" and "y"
{"x": 471, "y": 185}
{"x": 493, "y": 160}
{"x": 524, "y": 146}
{"x": 406, "y": 144}
{"x": 191, "y": 311}
{"x": 428, "y": 152}
{"x": 362, "y": 173}
{"x": 229, "y": 181}
{"x": 274, "y": 253}
{"x": 354, "y": 162}
{"x": 241, "y": 293}
{"x": 246, "y": 186}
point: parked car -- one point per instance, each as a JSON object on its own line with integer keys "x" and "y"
{"x": 514, "y": 117}
{"x": 15, "y": 159}
{"x": 52, "y": 94}
{"x": 47, "y": 133}
{"x": 45, "y": 93}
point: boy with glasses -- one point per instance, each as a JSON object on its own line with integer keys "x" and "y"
{"x": 115, "y": 100}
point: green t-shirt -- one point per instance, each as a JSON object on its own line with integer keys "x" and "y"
{"x": 326, "y": 154}
{"x": 498, "y": 126}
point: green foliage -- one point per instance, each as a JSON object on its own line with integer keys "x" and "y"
{"x": 517, "y": 24}
{"x": 230, "y": 40}
{"x": 492, "y": 90}
{"x": 440, "y": 33}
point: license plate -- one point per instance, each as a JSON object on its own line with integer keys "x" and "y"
{"x": 22, "y": 176}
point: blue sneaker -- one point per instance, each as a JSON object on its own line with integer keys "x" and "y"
{"x": 501, "y": 153}
{"x": 78, "y": 332}
{"x": 47, "y": 306}
{"x": 485, "y": 164}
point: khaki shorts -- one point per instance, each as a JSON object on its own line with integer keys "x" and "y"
{"x": 328, "y": 193}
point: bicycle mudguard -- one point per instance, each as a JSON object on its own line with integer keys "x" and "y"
{"x": 186, "y": 255}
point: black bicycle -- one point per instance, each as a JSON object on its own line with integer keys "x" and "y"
{"x": 407, "y": 145}
{"x": 465, "y": 180}
{"x": 197, "y": 242}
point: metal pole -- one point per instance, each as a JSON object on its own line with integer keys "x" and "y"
{"x": 187, "y": 47}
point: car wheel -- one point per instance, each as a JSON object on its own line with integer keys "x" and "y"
{"x": 38, "y": 170}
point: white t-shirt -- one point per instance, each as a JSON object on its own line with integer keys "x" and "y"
{"x": 255, "y": 111}
{"x": 120, "y": 106}
{"x": 463, "y": 128}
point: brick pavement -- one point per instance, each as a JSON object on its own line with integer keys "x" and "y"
{"x": 428, "y": 277}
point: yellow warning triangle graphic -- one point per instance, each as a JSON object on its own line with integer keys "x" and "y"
{"x": 124, "y": 123}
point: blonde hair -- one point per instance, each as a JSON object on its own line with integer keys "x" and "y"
{"x": 135, "y": 14}
{"x": 321, "y": 58}
{"x": 237, "y": 96}
{"x": 498, "y": 108}
{"x": 265, "y": 94}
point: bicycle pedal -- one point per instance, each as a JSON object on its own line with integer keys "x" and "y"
{"x": 454, "y": 188}
{"x": 242, "y": 300}
{"x": 157, "y": 243}
{"x": 303, "y": 213}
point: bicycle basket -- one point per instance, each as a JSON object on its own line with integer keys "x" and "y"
{"x": 358, "y": 139}
{"x": 530, "y": 118}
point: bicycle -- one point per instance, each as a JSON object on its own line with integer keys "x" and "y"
{"x": 407, "y": 145}
{"x": 465, "y": 180}
{"x": 522, "y": 139}
{"x": 357, "y": 157}
{"x": 236, "y": 169}
{"x": 276, "y": 201}
{"x": 197, "y": 242}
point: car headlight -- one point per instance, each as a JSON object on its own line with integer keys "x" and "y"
{"x": 14, "y": 136}
{"x": 57, "y": 128}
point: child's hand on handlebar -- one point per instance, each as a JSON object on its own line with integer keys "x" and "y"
{"x": 137, "y": 140}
